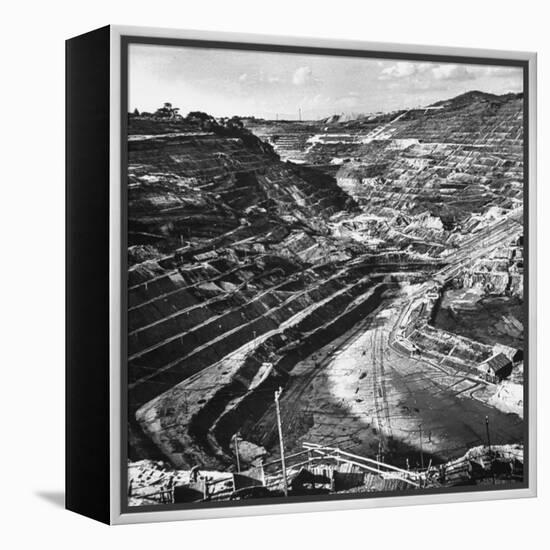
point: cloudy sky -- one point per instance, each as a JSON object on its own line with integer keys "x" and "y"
{"x": 233, "y": 82}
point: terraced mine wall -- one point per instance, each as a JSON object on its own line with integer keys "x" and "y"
{"x": 192, "y": 186}
{"x": 239, "y": 268}
{"x": 289, "y": 139}
{"x": 454, "y": 158}
{"x": 211, "y": 210}
{"x": 253, "y": 404}
{"x": 186, "y": 326}
{"x": 235, "y": 405}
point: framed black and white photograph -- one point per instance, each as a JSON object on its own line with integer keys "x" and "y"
{"x": 313, "y": 267}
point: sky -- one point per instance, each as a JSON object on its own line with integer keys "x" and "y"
{"x": 265, "y": 84}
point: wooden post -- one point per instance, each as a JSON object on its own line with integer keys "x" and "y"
{"x": 489, "y": 445}
{"x": 281, "y": 442}
{"x": 421, "y": 449}
{"x": 236, "y": 439}
{"x": 488, "y": 434}
{"x": 262, "y": 471}
{"x": 252, "y": 344}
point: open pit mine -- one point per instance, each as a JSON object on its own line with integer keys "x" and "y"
{"x": 325, "y": 306}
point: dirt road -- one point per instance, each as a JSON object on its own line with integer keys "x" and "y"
{"x": 361, "y": 395}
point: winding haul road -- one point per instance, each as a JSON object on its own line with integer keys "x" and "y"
{"x": 361, "y": 393}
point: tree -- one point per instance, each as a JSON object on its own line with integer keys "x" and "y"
{"x": 167, "y": 111}
{"x": 203, "y": 120}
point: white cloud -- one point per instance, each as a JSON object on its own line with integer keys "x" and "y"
{"x": 259, "y": 79}
{"x": 302, "y": 76}
{"x": 403, "y": 69}
{"x": 500, "y": 72}
{"x": 416, "y": 72}
{"x": 452, "y": 72}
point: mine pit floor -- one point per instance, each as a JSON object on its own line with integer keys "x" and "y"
{"x": 362, "y": 395}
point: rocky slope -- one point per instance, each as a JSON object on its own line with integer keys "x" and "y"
{"x": 227, "y": 243}
{"x": 242, "y": 265}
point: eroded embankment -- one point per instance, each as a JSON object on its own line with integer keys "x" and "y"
{"x": 211, "y": 407}
{"x": 251, "y": 315}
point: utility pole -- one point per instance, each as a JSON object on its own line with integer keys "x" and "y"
{"x": 300, "y": 114}
{"x": 281, "y": 443}
{"x": 262, "y": 471}
{"x": 253, "y": 343}
{"x": 489, "y": 444}
{"x": 488, "y": 434}
{"x": 236, "y": 439}
{"x": 421, "y": 449}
